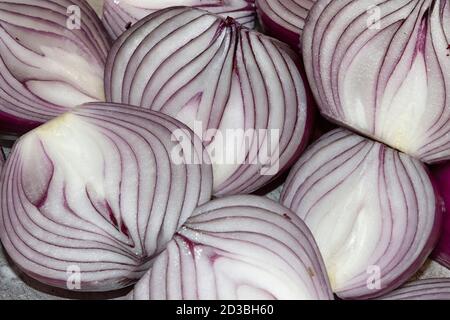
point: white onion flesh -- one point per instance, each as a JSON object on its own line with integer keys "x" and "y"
{"x": 52, "y": 57}
{"x": 371, "y": 209}
{"x": 96, "y": 189}
{"x": 383, "y": 69}
{"x": 200, "y": 68}
{"x": 240, "y": 247}
{"x": 118, "y": 16}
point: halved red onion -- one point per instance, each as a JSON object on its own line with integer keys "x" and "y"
{"x": 371, "y": 209}
{"x": 238, "y": 89}
{"x": 441, "y": 173}
{"x": 239, "y": 247}
{"x": 383, "y": 69}
{"x": 96, "y": 192}
{"x": 52, "y": 57}
{"x": 284, "y": 19}
{"x": 118, "y": 16}
{"x": 428, "y": 289}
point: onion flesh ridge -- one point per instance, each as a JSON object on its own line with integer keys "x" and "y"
{"x": 426, "y": 289}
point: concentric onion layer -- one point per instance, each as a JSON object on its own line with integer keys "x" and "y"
{"x": 429, "y": 289}
{"x": 95, "y": 191}
{"x": 371, "y": 209}
{"x": 52, "y": 57}
{"x": 383, "y": 68}
{"x": 240, "y": 247}
{"x": 284, "y": 19}
{"x": 238, "y": 89}
{"x": 441, "y": 174}
{"x": 118, "y": 16}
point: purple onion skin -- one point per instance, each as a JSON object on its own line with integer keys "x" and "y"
{"x": 42, "y": 48}
{"x": 278, "y": 30}
{"x": 10, "y": 125}
{"x": 441, "y": 174}
{"x": 427, "y": 289}
{"x": 258, "y": 75}
{"x": 239, "y": 247}
{"x": 331, "y": 189}
{"x": 96, "y": 194}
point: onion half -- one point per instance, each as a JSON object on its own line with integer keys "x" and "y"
{"x": 284, "y": 19}
{"x": 118, "y": 16}
{"x": 441, "y": 173}
{"x": 52, "y": 57}
{"x": 95, "y": 192}
{"x": 371, "y": 209}
{"x": 428, "y": 289}
{"x": 240, "y": 247}
{"x": 383, "y": 69}
{"x": 221, "y": 80}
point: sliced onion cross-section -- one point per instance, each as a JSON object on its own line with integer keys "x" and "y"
{"x": 372, "y": 210}
{"x": 96, "y": 192}
{"x": 236, "y": 88}
{"x": 239, "y": 247}
{"x": 52, "y": 57}
{"x": 383, "y": 68}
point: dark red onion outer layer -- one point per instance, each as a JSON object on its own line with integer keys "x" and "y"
{"x": 96, "y": 192}
{"x": 120, "y": 16}
{"x": 382, "y": 68}
{"x": 25, "y": 28}
{"x": 2, "y": 159}
{"x": 427, "y": 289}
{"x": 372, "y": 210}
{"x": 275, "y": 18}
{"x": 239, "y": 247}
{"x": 441, "y": 174}
{"x": 196, "y": 66}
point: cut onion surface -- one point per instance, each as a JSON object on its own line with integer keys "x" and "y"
{"x": 372, "y": 210}
{"x": 239, "y": 247}
{"x": 52, "y": 57}
{"x": 239, "y": 90}
{"x": 382, "y": 67}
{"x": 93, "y": 195}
